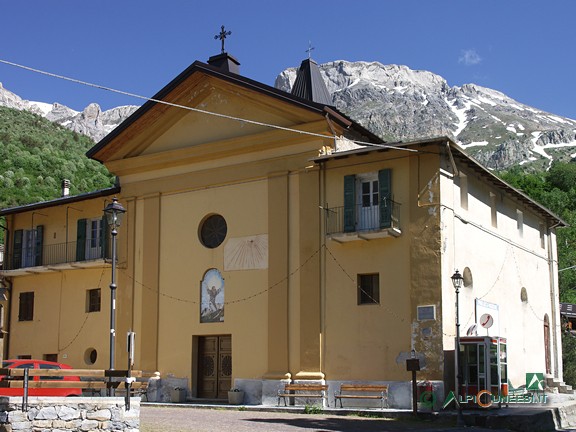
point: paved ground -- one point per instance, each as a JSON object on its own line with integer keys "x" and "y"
{"x": 166, "y": 418}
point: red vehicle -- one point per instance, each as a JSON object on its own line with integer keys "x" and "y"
{"x": 39, "y": 364}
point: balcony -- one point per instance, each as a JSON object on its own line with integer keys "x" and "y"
{"x": 55, "y": 257}
{"x": 363, "y": 223}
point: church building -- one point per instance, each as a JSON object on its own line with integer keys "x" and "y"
{"x": 268, "y": 238}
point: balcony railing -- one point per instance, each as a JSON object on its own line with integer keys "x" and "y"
{"x": 359, "y": 220}
{"x": 60, "y": 253}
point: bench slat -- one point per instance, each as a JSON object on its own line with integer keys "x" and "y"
{"x": 312, "y": 391}
{"x": 345, "y": 389}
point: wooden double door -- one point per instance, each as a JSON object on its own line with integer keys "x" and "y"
{"x": 214, "y": 366}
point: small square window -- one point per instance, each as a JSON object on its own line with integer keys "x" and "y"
{"x": 26, "y": 306}
{"x": 368, "y": 289}
{"x": 93, "y": 300}
{"x": 426, "y": 313}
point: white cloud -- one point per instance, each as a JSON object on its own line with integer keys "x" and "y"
{"x": 469, "y": 57}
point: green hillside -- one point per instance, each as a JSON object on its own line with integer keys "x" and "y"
{"x": 36, "y": 155}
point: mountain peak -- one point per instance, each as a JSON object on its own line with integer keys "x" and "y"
{"x": 92, "y": 121}
{"x": 399, "y": 103}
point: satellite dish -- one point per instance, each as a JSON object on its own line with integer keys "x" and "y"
{"x": 486, "y": 321}
{"x": 472, "y": 331}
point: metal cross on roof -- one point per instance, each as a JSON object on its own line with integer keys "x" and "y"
{"x": 309, "y": 50}
{"x": 222, "y": 36}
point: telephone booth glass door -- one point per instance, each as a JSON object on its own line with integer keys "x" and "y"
{"x": 484, "y": 365}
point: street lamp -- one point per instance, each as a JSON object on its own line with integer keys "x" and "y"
{"x": 457, "y": 280}
{"x": 114, "y": 214}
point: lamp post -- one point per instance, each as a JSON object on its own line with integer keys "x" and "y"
{"x": 114, "y": 213}
{"x": 457, "y": 280}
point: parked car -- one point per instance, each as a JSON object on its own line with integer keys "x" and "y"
{"x": 39, "y": 364}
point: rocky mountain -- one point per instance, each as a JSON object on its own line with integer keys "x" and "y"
{"x": 398, "y": 103}
{"x": 92, "y": 121}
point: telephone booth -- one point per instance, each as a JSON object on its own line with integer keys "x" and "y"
{"x": 483, "y": 362}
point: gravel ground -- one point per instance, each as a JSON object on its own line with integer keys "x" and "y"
{"x": 180, "y": 419}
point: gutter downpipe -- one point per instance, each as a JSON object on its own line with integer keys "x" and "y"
{"x": 555, "y": 298}
{"x": 322, "y": 266}
{"x": 8, "y": 285}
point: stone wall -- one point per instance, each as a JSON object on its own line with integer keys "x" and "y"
{"x": 69, "y": 414}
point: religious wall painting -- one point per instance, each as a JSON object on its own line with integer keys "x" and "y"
{"x": 212, "y": 297}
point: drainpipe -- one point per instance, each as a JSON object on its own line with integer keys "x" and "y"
{"x": 322, "y": 199}
{"x": 6, "y": 331}
{"x": 7, "y": 285}
{"x": 554, "y": 299}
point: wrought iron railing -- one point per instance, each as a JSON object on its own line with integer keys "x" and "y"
{"x": 359, "y": 219}
{"x": 60, "y": 253}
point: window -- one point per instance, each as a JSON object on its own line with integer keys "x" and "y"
{"x": 368, "y": 289}
{"x": 463, "y": 191}
{"x": 520, "y": 222}
{"x": 50, "y": 367}
{"x": 368, "y": 201}
{"x": 426, "y": 313}
{"x": 213, "y": 231}
{"x": 27, "y": 247}
{"x": 50, "y": 357}
{"x": 493, "y": 210}
{"x": 93, "y": 300}
{"x": 91, "y": 238}
{"x": 26, "y": 306}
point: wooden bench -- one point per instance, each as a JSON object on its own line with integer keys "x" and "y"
{"x": 308, "y": 391}
{"x": 362, "y": 391}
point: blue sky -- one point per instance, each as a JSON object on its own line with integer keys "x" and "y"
{"x": 525, "y": 49}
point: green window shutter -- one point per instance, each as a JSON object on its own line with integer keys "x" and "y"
{"x": 38, "y": 245}
{"x": 349, "y": 203}
{"x": 385, "y": 192}
{"x": 17, "y": 249}
{"x": 81, "y": 240}
{"x": 104, "y": 238}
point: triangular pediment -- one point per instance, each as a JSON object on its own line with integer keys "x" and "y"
{"x": 204, "y": 108}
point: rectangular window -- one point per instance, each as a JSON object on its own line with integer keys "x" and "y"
{"x": 26, "y": 306}
{"x": 493, "y": 210}
{"x": 369, "y": 289}
{"x": 93, "y": 300}
{"x": 426, "y": 313}
{"x": 463, "y": 191}
{"x": 520, "y": 222}
{"x": 50, "y": 357}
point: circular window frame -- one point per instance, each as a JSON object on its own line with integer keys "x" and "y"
{"x": 212, "y": 231}
{"x": 90, "y": 356}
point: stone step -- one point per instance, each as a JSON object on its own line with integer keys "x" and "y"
{"x": 552, "y": 382}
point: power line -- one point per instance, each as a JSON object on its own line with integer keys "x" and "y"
{"x": 198, "y": 110}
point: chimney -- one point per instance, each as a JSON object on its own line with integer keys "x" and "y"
{"x": 225, "y": 62}
{"x": 65, "y": 187}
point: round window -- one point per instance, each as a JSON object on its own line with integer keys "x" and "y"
{"x": 90, "y": 356}
{"x": 213, "y": 231}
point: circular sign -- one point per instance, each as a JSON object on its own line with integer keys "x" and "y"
{"x": 486, "y": 320}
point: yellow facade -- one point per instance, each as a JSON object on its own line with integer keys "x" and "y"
{"x": 278, "y": 298}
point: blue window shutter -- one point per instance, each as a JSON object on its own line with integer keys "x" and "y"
{"x": 38, "y": 245}
{"x": 349, "y": 203}
{"x": 385, "y": 192}
{"x": 81, "y": 240}
{"x": 17, "y": 249}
